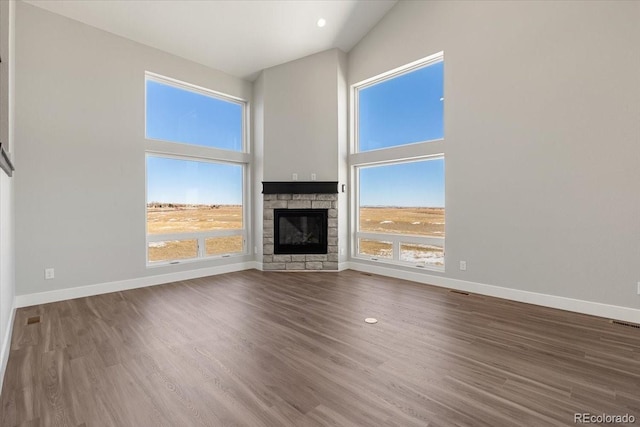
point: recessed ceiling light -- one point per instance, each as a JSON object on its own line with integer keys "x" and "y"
{"x": 322, "y": 22}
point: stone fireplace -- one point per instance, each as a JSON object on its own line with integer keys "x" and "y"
{"x": 300, "y": 226}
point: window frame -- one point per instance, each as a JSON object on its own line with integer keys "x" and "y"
{"x": 410, "y": 152}
{"x": 191, "y": 152}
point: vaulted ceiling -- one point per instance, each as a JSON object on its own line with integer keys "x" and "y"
{"x": 238, "y": 37}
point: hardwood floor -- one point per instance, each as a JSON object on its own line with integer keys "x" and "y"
{"x": 292, "y": 349}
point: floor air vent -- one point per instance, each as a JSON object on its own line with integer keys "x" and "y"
{"x": 32, "y": 320}
{"x": 454, "y": 291}
{"x": 630, "y": 325}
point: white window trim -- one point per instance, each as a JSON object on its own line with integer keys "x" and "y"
{"x": 424, "y": 150}
{"x": 185, "y": 151}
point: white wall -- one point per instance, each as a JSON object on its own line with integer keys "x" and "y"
{"x": 80, "y": 190}
{"x": 300, "y": 120}
{"x": 542, "y": 107}
{"x": 7, "y": 248}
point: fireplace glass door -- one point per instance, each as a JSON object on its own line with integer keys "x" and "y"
{"x": 300, "y": 231}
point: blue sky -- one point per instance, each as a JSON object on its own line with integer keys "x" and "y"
{"x": 406, "y": 109}
{"x": 415, "y": 184}
{"x": 179, "y": 115}
{"x": 190, "y": 182}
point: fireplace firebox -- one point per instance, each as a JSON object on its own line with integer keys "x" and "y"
{"x": 300, "y": 231}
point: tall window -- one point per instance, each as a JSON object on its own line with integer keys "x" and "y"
{"x": 398, "y": 166}
{"x": 196, "y": 167}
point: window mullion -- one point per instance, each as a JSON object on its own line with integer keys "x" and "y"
{"x": 396, "y": 249}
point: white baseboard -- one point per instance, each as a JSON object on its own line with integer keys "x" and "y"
{"x": 123, "y": 285}
{"x": 6, "y": 345}
{"x": 608, "y": 311}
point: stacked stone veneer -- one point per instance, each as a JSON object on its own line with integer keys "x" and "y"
{"x": 328, "y": 261}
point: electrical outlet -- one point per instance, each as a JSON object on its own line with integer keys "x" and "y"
{"x": 341, "y": 251}
{"x": 313, "y": 177}
{"x": 638, "y": 288}
{"x": 463, "y": 265}
{"x": 49, "y": 273}
{"x": 255, "y": 249}
{"x": 294, "y": 176}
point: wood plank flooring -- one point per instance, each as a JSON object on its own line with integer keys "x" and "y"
{"x": 292, "y": 349}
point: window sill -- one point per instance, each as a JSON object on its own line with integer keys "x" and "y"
{"x": 391, "y": 263}
{"x": 157, "y": 264}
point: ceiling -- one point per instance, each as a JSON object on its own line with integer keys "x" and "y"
{"x": 238, "y": 37}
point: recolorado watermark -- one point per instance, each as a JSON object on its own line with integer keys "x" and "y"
{"x": 588, "y": 418}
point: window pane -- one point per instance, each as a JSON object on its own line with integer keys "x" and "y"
{"x": 185, "y": 196}
{"x": 173, "y": 250}
{"x": 418, "y": 253}
{"x": 375, "y": 248}
{"x": 402, "y": 110}
{"x": 179, "y": 115}
{"x": 224, "y": 245}
{"x": 403, "y": 198}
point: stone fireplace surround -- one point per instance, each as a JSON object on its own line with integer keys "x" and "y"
{"x": 300, "y": 195}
